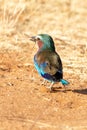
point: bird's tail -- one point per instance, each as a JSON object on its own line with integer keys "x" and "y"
{"x": 64, "y": 82}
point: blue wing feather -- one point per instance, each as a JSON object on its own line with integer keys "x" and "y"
{"x": 54, "y": 78}
{"x": 58, "y": 77}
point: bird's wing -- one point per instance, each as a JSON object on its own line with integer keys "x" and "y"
{"x": 49, "y": 62}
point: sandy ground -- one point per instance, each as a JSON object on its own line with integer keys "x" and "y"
{"x": 25, "y": 104}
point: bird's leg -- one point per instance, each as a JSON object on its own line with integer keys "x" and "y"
{"x": 43, "y": 82}
{"x": 65, "y": 88}
{"x": 51, "y": 85}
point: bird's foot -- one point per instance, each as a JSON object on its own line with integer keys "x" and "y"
{"x": 43, "y": 82}
{"x": 46, "y": 88}
{"x": 65, "y": 88}
{"x": 50, "y": 88}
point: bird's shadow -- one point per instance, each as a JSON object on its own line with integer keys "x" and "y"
{"x": 60, "y": 89}
{"x": 80, "y": 91}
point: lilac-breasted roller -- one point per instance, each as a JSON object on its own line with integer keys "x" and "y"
{"x": 47, "y": 61}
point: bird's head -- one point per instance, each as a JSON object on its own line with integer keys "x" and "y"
{"x": 44, "y": 42}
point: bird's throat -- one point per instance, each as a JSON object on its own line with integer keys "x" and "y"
{"x": 40, "y": 44}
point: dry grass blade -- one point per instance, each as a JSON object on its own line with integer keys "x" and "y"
{"x": 10, "y": 16}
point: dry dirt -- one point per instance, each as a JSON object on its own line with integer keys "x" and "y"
{"x": 25, "y": 104}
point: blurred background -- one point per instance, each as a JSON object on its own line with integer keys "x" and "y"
{"x": 64, "y": 20}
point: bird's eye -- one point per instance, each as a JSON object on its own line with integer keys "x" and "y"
{"x": 38, "y": 39}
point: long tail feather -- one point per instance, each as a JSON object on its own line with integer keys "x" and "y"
{"x": 64, "y": 82}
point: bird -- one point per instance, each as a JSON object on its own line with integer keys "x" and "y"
{"x": 47, "y": 61}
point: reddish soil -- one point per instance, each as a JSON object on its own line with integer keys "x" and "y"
{"x": 25, "y": 103}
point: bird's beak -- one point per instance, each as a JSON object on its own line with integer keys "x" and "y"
{"x": 33, "y": 39}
